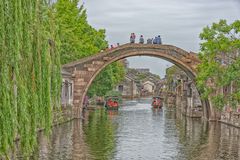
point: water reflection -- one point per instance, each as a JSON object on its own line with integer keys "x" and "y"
{"x": 99, "y": 134}
{"x": 138, "y": 132}
{"x": 157, "y": 111}
{"x": 65, "y": 143}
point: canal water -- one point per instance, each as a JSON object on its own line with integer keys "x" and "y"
{"x": 138, "y": 132}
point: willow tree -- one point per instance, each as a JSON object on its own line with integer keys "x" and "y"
{"x": 29, "y": 71}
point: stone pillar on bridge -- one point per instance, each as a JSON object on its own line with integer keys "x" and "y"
{"x": 79, "y": 86}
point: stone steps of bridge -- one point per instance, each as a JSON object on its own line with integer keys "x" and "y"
{"x": 76, "y": 102}
{"x": 184, "y": 59}
{"x": 83, "y": 73}
{"x": 106, "y": 58}
{"x": 98, "y": 62}
{"x": 83, "y": 83}
{"x": 77, "y": 80}
{"x": 87, "y": 77}
{"x": 78, "y": 91}
{"x": 187, "y": 60}
{"x": 91, "y": 69}
{"x": 90, "y": 65}
{"x": 77, "y": 98}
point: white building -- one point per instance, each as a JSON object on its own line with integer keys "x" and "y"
{"x": 128, "y": 88}
{"x": 149, "y": 86}
{"x": 67, "y": 88}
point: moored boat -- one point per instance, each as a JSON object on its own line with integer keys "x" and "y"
{"x": 112, "y": 103}
{"x": 156, "y": 102}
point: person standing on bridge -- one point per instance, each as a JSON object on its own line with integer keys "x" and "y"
{"x": 132, "y": 38}
{"x": 155, "y": 40}
{"x": 141, "y": 39}
{"x": 159, "y": 40}
{"x": 149, "y": 41}
{"x": 112, "y": 46}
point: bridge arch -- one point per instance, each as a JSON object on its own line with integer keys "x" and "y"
{"x": 85, "y": 70}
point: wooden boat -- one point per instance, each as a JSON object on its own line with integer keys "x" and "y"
{"x": 112, "y": 103}
{"x": 156, "y": 102}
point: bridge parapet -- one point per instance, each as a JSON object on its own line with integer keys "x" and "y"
{"x": 141, "y": 49}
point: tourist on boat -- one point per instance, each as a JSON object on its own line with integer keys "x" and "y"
{"x": 141, "y": 39}
{"x": 115, "y": 104}
{"x": 132, "y": 38}
{"x": 109, "y": 103}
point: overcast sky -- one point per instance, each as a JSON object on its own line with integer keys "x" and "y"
{"x": 179, "y": 22}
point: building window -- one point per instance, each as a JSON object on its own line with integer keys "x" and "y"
{"x": 66, "y": 88}
{"x": 120, "y": 88}
{"x": 189, "y": 90}
{"x": 70, "y": 84}
{"x": 63, "y": 90}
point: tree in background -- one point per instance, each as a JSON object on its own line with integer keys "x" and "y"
{"x": 220, "y": 67}
{"x": 79, "y": 39}
{"x": 107, "y": 79}
{"x": 170, "y": 73}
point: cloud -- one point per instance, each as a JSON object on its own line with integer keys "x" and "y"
{"x": 179, "y": 22}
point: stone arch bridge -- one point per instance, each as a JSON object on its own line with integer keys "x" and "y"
{"x": 86, "y": 69}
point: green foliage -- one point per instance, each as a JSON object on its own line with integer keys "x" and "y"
{"x": 170, "y": 73}
{"x": 118, "y": 72}
{"x": 33, "y": 37}
{"x": 100, "y": 133}
{"x": 141, "y": 76}
{"x": 107, "y": 79}
{"x": 218, "y": 101}
{"x": 220, "y": 65}
{"x": 29, "y": 72}
{"x": 170, "y": 80}
{"x": 115, "y": 93}
{"x": 79, "y": 39}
